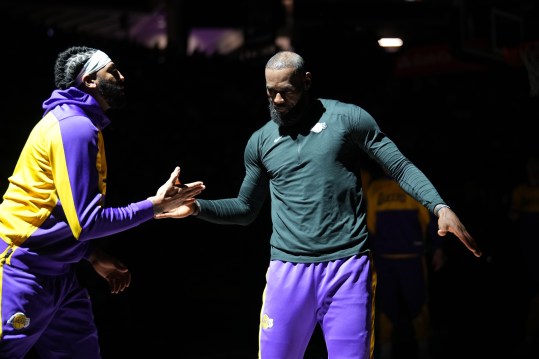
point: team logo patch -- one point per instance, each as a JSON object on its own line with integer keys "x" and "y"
{"x": 267, "y": 322}
{"x": 19, "y": 321}
{"x": 319, "y": 127}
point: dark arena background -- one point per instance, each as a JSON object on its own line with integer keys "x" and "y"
{"x": 459, "y": 98}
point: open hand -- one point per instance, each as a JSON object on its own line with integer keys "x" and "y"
{"x": 172, "y": 195}
{"x": 449, "y": 222}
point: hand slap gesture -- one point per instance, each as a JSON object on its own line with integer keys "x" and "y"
{"x": 170, "y": 196}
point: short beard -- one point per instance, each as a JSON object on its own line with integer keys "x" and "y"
{"x": 293, "y": 116}
{"x": 113, "y": 94}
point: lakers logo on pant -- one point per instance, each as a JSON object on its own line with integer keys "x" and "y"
{"x": 19, "y": 321}
{"x": 267, "y": 322}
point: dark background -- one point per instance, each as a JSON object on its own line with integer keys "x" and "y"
{"x": 466, "y": 119}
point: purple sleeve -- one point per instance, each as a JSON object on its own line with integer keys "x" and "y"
{"x": 80, "y": 169}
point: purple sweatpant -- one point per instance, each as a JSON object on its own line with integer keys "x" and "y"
{"x": 337, "y": 294}
{"x": 52, "y": 313}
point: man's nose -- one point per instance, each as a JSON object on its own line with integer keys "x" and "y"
{"x": 278, "y": 98}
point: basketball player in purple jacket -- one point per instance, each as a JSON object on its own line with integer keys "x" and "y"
{"x": 55, "y": 205}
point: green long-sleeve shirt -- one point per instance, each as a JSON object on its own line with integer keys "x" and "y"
{"x": 312, "y": 173}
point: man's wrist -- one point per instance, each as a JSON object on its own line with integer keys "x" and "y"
{"x": 196, "y": 208}
{"x": 438, "y": 207}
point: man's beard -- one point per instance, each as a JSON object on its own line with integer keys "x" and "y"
{"x": 113, "y": 93}
{"x": 293, "y": 116}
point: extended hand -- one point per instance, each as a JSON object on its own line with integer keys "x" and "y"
{"x": 171, "y": 196}
{"x": 449, "y": 222}
{"x": 180, "y": 212}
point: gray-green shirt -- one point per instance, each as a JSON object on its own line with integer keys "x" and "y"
{"x": 313, "y": 176}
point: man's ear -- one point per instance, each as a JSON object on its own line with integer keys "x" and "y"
{"x": 308, "y": 80}
{"x": 89, "y": 80}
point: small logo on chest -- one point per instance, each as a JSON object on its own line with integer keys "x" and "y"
{"x": 319, "y": 127}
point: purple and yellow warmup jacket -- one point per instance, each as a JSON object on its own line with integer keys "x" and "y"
{"x": 54, "y": 203}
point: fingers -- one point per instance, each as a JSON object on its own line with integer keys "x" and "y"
{"x": 466, "y": 239}
{"x": 473, "y": 247}
{"x": 184, "y": 192}
{"x": 174, "y": 194}
{"x": 119, "y": 281}
{"x": 174, "y": 177}
{"x": 182, "y": 211}
{"x": 193, "y": 186}
{"x": 449, "y": 222}
{"x": 165, "y": 215}
{"x": 191, "y": 189}
{"x": 175, "y": 174}
{"x": 122, "y": 269}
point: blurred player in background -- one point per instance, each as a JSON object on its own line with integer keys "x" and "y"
{"x": 402, "y": 231}
{"x": 524, "y": 212}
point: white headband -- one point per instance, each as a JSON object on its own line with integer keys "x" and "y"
{"x": 98, "y": 60}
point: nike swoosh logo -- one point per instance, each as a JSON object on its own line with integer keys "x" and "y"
{"x": 277, "y": 139}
